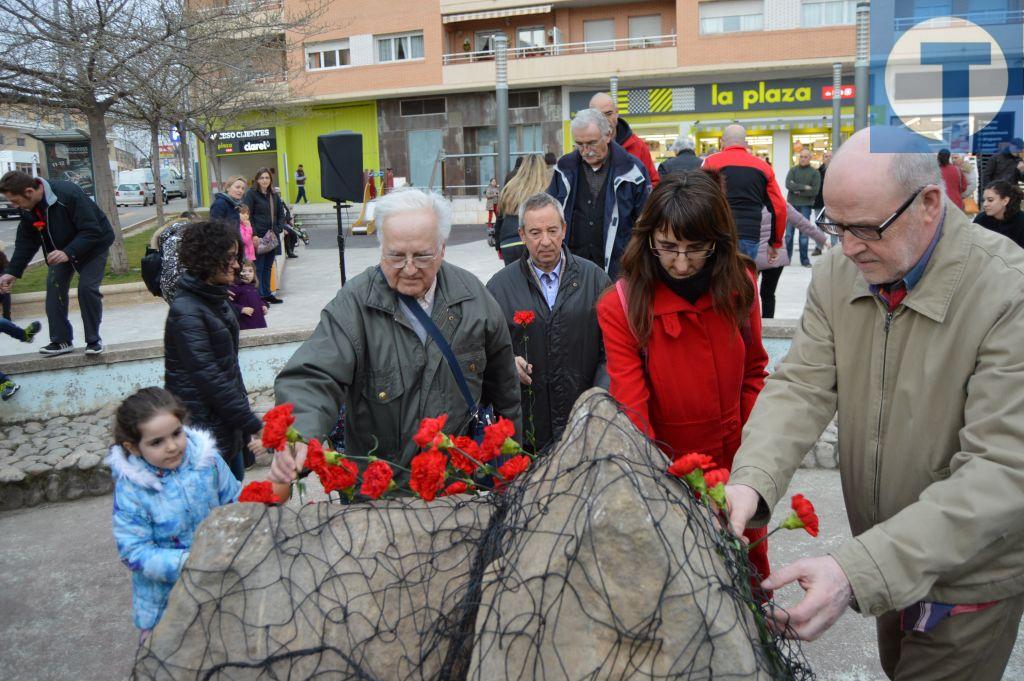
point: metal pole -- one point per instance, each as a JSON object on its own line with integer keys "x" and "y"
{"x": 341, "y": 242}
{"x": 501, "y": 94}
{"x": 613, "y": 88}
{"x": 837, "y": 101}
{"x": 860, "y": 66}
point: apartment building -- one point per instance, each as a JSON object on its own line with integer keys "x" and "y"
{"x": 416, "y": 78}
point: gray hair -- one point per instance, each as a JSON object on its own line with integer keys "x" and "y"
{"x": 536, "y": 202}
{"x": 682, "y": 143}
{"x": 410, "y": 200}
{"x": 910, "y": 172}
{"x": 587, "y": 117}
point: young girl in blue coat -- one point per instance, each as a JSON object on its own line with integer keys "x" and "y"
{"x": 168, "y": 479}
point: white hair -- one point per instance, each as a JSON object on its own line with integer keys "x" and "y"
{"x": 536, "y": 202}
{"x": 910, "y": 172}
{"x": 409, "y": 200}
{"x": 682, "y": 142}
{"x": 587, "y": 117}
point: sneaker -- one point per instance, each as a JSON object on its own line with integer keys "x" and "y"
{"x": 54, "y": 349}
{"x": 7, "y": 390}
{"x": 816, "y": 251}
{"x": 30, "y": 332}
{"x": 94, "y": 348}
{"x": 273, "y": 300}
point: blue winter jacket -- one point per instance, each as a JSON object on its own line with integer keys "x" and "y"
{"x": 156, "y": 512}
{"x": 628, "y": 189}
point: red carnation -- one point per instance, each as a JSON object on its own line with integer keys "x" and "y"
{"x": 494, "y": 438}
{"x": 315, "y": 460}
{"x": 428, "y": 471}
{"x": 510, "y": 470}
{"x": 718, "y": 476}
{"x": 259, "y": 492}
{"x": 277, "y": 423}
{"x": 376, "y": 479}
{"x": 465, "y": 454}
{"x": 457, "y": 487}
{"x": 39, "y": 225}
{"x": 523, "y": 317}
{"x": 803, "y": 511}
{"x": 686, "y": 464}
{"x": 340, "y": 478}
{"x": 429, "y": 430}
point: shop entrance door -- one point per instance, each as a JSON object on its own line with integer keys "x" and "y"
{"x": 424, "y": 146}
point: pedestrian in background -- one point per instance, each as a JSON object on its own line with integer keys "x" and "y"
{"x": 803, "y": 183}
{"x": 771, "y": 268}
{"x": 75, "y": 237}
{"x": 819, "y": 201}
{"x": 685, "y": 158}
{"x": 300, "y": 182}
{"x": 533, "y": 177}
{"x": 267, "y": 214}
{"x": 167, "y": 240}
{"x": 953, "y": 178}
{"x": 624, "y": 135}
{"x": 226, "y": 204}
{"x": 491, "y": 200}
{"x": 1001, "y": 211}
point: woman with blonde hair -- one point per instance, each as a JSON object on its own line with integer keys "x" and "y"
{"x": 532, "y": 178}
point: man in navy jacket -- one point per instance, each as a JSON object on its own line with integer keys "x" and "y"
{"x": 75, "y": 236}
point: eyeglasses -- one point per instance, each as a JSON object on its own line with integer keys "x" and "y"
{"x": 586, "y": 145}
{"x": 864, "y": 232}
{"x": 695, "y": 254}
{"x": 420, "y": 262}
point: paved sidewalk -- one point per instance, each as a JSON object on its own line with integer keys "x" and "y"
{"x": 312, "y": 280}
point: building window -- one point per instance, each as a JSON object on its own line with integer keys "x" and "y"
{"x": 644, "y": 31}
{"x": 524, "y": 99}
{"x": 20, "y": 141}
{"x": 829, "y": 13}
{"x": 530, "y": 38}
{"x": 599, "y": 35}
{"x": 328, "y": 56}
{"x": 400, "y": 47}
{"x": 422, "y": 107}
{"x": 731, "y": 16}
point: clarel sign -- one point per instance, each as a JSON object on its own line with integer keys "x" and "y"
{"x": 246, "y": 141}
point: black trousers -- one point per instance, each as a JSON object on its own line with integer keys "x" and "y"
{"x": 769, "y": 280}
{"x": 90, "y": 300}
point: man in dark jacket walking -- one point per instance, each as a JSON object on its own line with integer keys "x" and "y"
{"x": 75, "y": 236}
{"x": 685, "y": 158}
{"x": 560, "y": 354}
{"x": 750, "y": 186}
{"x": 602, "y": 189}
{"x": 624, "y": 135}
{"x": 803, "y": 183}
{"x": 1006, "y": 165}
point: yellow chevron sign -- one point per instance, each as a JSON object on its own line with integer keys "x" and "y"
{"x": 623, "y": 104}
{"x": 661, "y": 99}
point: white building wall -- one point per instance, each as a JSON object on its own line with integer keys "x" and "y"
{"x": 781, "y": 14}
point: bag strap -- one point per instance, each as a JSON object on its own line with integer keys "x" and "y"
{"x": 431, "y": 328}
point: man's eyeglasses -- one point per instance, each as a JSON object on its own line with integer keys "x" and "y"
{"x": 694, "y": 254}
{"x": 864, "y": 232}
{"x": 420, "y": 262}
{"x": 586, "y": 145}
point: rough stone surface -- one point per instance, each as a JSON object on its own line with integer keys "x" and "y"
{"x": 566, "y": 585}
{"x": 367, "y": 560}
{"x": 87, "y": 461}
{"x": 825, "y": 455}
{"x": 11, "y": 474}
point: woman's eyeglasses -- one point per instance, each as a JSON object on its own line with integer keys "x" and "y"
{"x": 692, "y": 254}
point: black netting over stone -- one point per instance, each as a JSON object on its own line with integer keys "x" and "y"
{"x": 594, "y": 565}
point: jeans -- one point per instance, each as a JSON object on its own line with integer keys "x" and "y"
{"x": 301, "y": 196}
{"x": 803, "y": 240}
{"x": 11, "y": 329}
{"x": 748, "y": 247}
{"x": 237, "y": 466}
{"x": 264, "y": 264}
{"x": 90, "y": 300}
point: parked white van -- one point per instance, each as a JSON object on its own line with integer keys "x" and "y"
{"x": 170, "y": 178}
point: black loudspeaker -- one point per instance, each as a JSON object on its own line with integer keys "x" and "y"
{"x": 341, "y": 161}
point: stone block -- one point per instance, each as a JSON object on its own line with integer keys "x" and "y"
{"x": 825, "y": 455}
{"x": 11, "y": 497}
{"x": 36, "y": 468}
{"x": 87, "y": 461}
{"x": 74, "y": 486}
{"x": 53, "y": 487}
{"x": 11, "y": 474}
{"x": 99, "y": 482}
{"x": 809, "y": 460}
{"x": 35, "y": 491}
{"x": 33, "y": 427}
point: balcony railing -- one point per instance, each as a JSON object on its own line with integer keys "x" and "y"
{"x": 565, "y": 48}
{"x": 980, "y": 17}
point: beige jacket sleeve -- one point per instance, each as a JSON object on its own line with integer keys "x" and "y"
{"x": 798, "y": 401}
{"x": 897, "y": 562}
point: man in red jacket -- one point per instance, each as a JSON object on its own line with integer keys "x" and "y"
{"x": 750, "y": 185}
{"x": 624, "y": 135}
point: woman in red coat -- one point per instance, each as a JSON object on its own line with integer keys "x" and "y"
{"x": 687, "y": 361}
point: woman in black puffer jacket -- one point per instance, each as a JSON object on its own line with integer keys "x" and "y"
{"x": 201, "y": 341}
{"x": 266, "y": 212}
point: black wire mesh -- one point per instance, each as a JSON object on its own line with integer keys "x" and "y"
{"x": 593, "y": 565}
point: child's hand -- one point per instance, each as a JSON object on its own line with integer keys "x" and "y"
{"x": 265, "y": 309}
{"x": 247, "y": 311}
{"x": 256, "y": 445}
{"x": 285, "y": 468}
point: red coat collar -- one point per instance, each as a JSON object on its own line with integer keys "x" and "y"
{"x": 667, "y": 302}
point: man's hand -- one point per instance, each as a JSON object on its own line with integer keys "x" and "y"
{"x": 827, "y": 595}
{"x": 773, "y": 254}
{"x": 742, "y": 502}
{"x": 524, "y": 370}
{"x": 56, "y": 257}
{"x": 7, "y": 283}
{"x": 247, "y": 311}
{"x": 285, "y": 468}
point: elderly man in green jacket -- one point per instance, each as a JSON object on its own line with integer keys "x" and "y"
{"x": 914, "y": 333}
{"x": 371, "y": 354}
